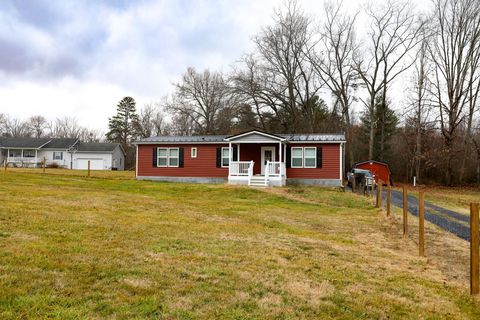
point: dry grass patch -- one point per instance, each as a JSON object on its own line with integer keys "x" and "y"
{"x": 113, "y": 247}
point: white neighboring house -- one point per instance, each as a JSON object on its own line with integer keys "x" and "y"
{"x": 64, "y": 153}
{"x": 102, "y": 156}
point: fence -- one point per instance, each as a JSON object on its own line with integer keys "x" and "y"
{"x": 474, "y": 274}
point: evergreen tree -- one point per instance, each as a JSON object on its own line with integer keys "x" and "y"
{"x": 385, "y": 124}
{"x": 122, "y": 125}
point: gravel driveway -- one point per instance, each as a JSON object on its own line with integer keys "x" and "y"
{"x": 451, "y": 221}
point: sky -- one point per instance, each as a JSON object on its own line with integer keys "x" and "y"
{"x": 78, "y": 58}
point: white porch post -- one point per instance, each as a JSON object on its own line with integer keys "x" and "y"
{"x": 229, "y": 157}
{"x": 280, "y": 157}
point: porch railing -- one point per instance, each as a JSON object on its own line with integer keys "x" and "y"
{"x": 23, "y": 160}
{"x": 241, "y": 168}
{"x": 274, "y": 169}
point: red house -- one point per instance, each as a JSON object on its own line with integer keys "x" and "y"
{"x": 252, "y": 158}
{"x": 380, "y": 170}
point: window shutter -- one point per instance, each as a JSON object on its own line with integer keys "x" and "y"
{"x": 288, "y": 160}
{"x": 219, "y": 157}
{"x": 235, "y": 153}
{"x": 319, "y": 157}
{"x": 154, "y": 163}
{"x": 180, "y": 157}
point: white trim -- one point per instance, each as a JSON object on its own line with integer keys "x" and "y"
{"x": 304, "y": 158}
{"x": 222, "y": 157}
{"x": 136, "y": 162}
{"x": 316, "y": 142}
{"x": 291, "y": 157}
{"x": 341, "y": 162}
{"x": 180, "y": 142}
{"x": 192, "y": 153}
{"x": 254, "y": 132}
{"x": 167, "y": 157}
{"x": 262, "y": 157}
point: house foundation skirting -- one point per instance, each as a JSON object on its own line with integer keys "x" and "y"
{"x": 184, "y": 179}
{"x": 315, "y": 182}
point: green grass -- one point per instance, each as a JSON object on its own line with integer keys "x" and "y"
{"x": 112, "y": 247}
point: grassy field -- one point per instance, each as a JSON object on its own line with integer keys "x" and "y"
{"x": 457, "y": 198}
{"x": 112, "y": 247}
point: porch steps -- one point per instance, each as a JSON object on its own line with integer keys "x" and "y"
{"x": 258, "y": 181}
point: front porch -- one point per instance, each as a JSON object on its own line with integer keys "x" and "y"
{"x": 257, "y": 159}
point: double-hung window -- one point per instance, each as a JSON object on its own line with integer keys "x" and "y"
{"x": 57, "y": 155}
{"x": 310, "y": 157}
{"x": 225, "y": 157}
{"x": 297, "y": 157}
{"x": 304, "y": 157}
{"x": 167, "y": 157}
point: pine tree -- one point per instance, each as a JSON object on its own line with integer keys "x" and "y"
{"x": 385, "y": 125}
{"x": 122, "y": 125}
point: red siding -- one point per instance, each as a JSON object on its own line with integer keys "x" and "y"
{"x": 252, "y": 151}
{"x": 330, "y": 164}
{"x": 204, "y": 165}
{"x": 380, "y": 170}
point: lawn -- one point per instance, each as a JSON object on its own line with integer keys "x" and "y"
{"x": 112, "y": 247}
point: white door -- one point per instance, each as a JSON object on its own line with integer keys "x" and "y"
{"x": 268, "y": 154}
{"x": 95, "y": 163}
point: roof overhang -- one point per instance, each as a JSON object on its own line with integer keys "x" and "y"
{"x": 268, "y": 137}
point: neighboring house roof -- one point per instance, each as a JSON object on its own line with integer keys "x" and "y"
{"x": 312, "y": 137}
{"x": 97, "y": 147}
{"x": 60, "y": 143}
{"x": 32, "y": 143}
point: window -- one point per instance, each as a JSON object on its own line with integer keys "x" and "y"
{"x": 173, "y": 157}
{"x": 57, "y": 155}
{"x": 310, "y": 157}
{"x": 225, "y": 157}
{"x": 304, "y": 157}
{"x": 194, "y": 152}
{"x": 167, "y": 157}
{"x": 29, "y": 153}
{"x": 297, "y": 157}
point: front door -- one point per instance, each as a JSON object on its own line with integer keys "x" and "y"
{"x": 268, "y": 154}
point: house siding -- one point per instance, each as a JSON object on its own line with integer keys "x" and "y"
{"x": 204, "y": 165}
{"x": 330, "y": 164}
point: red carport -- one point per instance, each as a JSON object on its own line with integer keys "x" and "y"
{"x": 379, "y": 169}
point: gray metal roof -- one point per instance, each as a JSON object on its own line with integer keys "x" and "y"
{"x": 313, "y": 137}
{"x": 220, "y": 138}
{"x": 32, "y": 143}
{"x": 96, "y": 146}
{"x": 60, "y": 143}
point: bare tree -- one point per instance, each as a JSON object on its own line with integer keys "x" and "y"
{"x": 38, "y": 125}
{"x": 151, "y": 121}
{"x": 454, "y": 54}
{"x": 334, "y": 62}
{"x": 15, "y": 127}
{"x": 393, "y": 33}
{"x": 66, "y": 127}
{"x": 201, "y": 97}
{"x": 420, "y": 103}
{"x": 292, "y": 82}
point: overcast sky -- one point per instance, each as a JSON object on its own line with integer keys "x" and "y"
{"x": 79, "y": 58}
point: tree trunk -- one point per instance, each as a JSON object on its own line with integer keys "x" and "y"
{"x": 372, "y": 129}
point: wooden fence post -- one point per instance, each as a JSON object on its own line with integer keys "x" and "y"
{"x": 378, "y": 193}
{"x": 5, "y": 166}
{"x": 89, "y": 168}
{"x": 474, "y": 250}
{"x": 388, "y": 200}
{"x": 44, "y": 164}
{"x": 405, "y": 212}
{"x": 421, "y": 224}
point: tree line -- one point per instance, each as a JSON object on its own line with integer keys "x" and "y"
{"x": 319, "y": 74}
